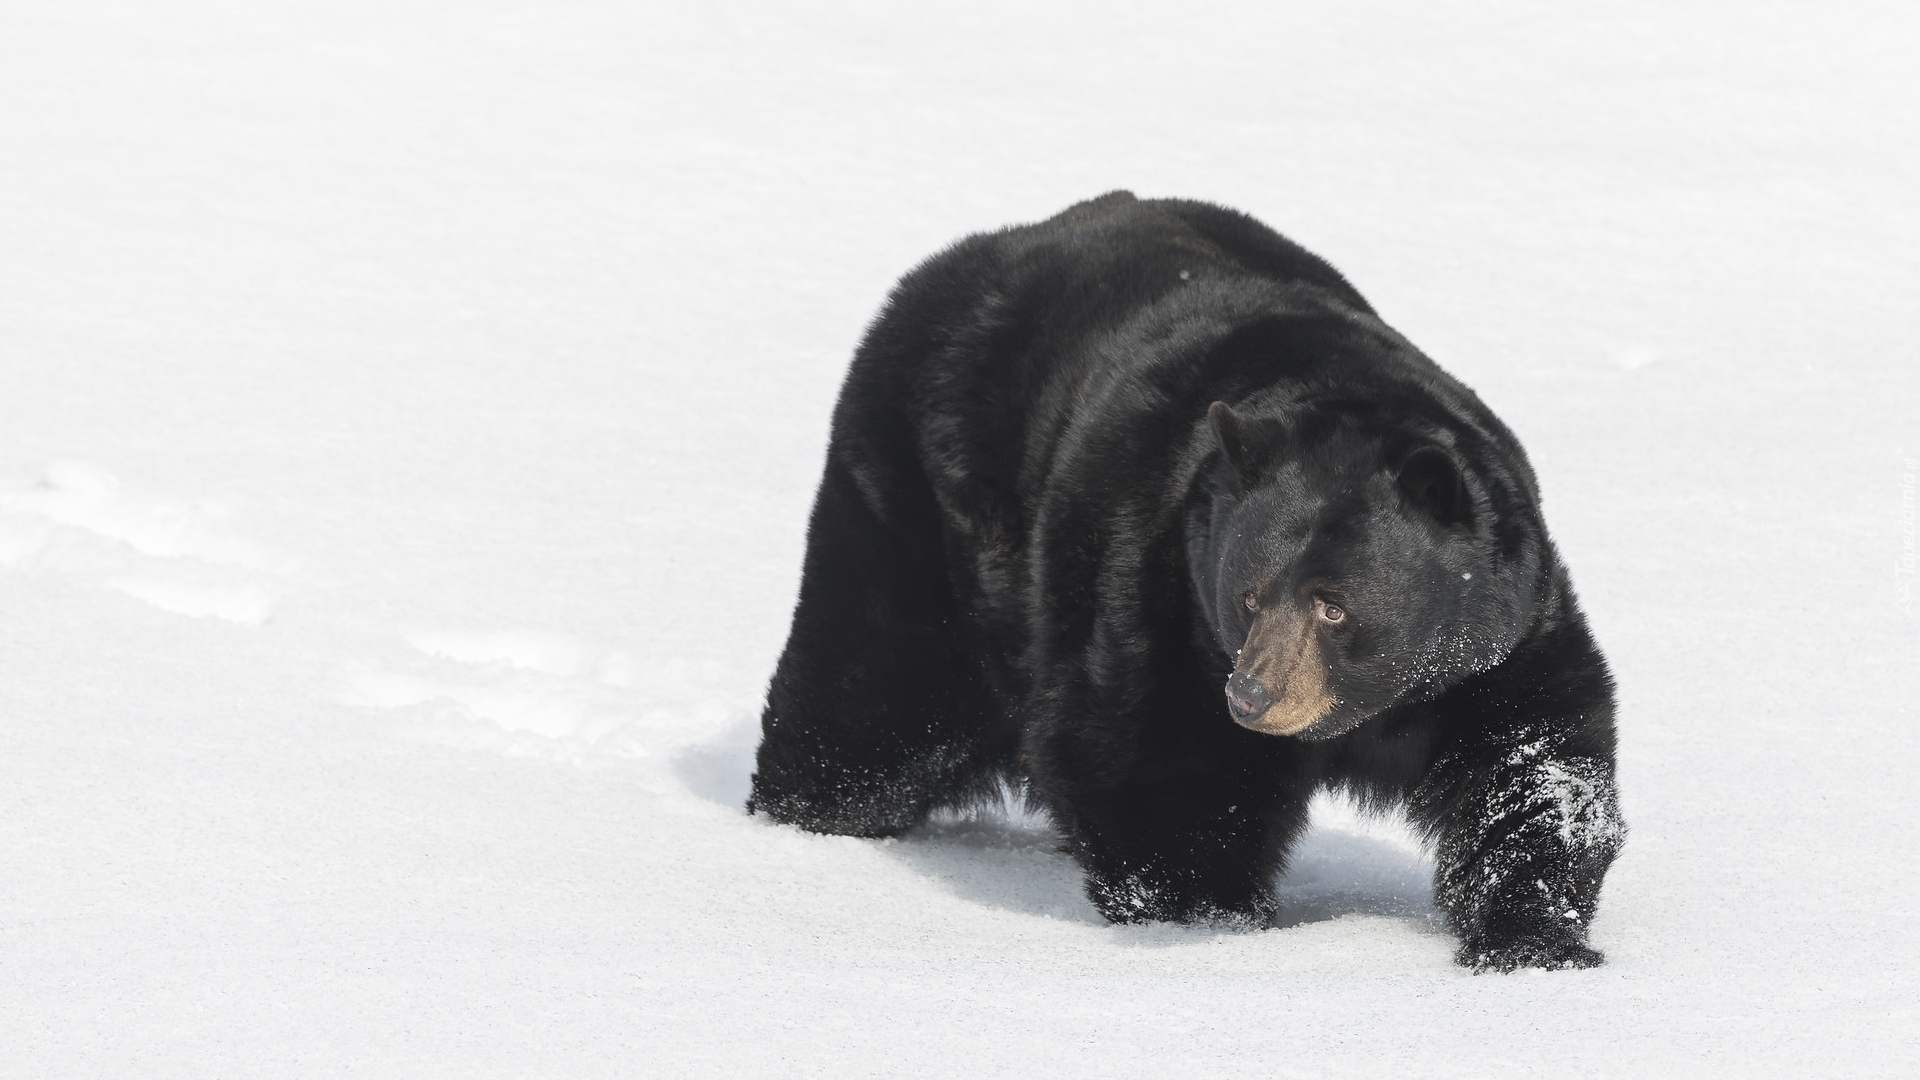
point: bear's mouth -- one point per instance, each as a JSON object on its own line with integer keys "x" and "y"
{"x": 1279, "y": 686}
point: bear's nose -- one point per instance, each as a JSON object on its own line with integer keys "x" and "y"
{"x": 1246, "y": 698}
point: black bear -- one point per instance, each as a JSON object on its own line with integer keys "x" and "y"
{"x": 1143, "y": 509}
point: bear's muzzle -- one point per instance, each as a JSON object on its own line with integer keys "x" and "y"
{"x": 1279, "y": 686}
{"x": 1246, "y": 698}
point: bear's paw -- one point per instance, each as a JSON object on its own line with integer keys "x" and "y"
{"x": 1550, "y": 954}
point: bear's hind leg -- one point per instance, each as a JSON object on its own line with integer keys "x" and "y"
{"x": 875, "y": 715}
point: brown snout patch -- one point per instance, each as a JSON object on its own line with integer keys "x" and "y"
{"x": 1283, "y": 652}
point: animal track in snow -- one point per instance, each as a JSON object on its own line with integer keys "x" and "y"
{"x": 179, "y": 557}
{"x": 235, "y": 602}
{"x": 521, "y": 692}
{"x": 530, "y": 650}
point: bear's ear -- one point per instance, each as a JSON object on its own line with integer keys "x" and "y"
{"x": 1431, "y": 478}
{"x": 1245, "y": 442}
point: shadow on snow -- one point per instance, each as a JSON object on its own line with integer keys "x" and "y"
{"x": 1007, "y": 856}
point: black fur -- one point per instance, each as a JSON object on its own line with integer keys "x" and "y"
{"x": 1032, "y": 543}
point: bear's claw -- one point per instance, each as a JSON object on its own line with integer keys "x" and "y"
{"x": 1552, "y": 955}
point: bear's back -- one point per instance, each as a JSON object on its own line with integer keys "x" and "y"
{"x": 1116, "y": 236}
{"x": 990, "y": 346}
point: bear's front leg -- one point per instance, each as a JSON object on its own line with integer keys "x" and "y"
{"x": 1178, "y": 844}
{"x": 1525, "y": 835}
{"x": 1195, "y": 868}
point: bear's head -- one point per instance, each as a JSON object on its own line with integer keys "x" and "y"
{"x": 1347, "y": 562}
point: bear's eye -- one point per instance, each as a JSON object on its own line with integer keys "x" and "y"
{"x": 1252, "y": 602}
{"x": 1332, "y": 612}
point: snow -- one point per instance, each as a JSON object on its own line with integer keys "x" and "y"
{"x": 409, "y": 413}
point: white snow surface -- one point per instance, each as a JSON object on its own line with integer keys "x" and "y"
{"x": 409, "y": 413}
